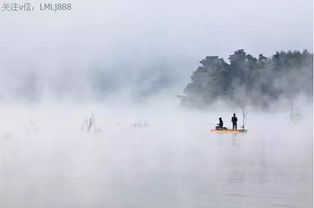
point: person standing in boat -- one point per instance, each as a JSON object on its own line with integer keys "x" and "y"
{"x": 234, "y": 120}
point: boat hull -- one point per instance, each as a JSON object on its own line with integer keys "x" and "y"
{"x": 228, "y": 131}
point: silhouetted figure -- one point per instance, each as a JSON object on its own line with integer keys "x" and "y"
{"x": 234, "y": 120}
{"x": 220, "y": 124}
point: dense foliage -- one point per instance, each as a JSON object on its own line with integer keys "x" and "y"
{"x": 250, "y": 80}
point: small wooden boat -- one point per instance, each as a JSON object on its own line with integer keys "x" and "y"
{"x": 228, "y": 131}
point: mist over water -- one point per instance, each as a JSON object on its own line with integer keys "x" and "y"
{"x": 152, "y": 155}
{"x": 119, "y": 66}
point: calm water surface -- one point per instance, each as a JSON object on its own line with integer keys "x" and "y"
{"x": 150, "y": 167}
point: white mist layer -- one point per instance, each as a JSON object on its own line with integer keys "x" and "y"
{"x": 151, "y": 155}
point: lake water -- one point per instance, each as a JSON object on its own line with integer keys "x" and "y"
{"x": 172, "y": 162}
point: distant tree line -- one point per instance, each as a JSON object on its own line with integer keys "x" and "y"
{"x": 250, "y": 80}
